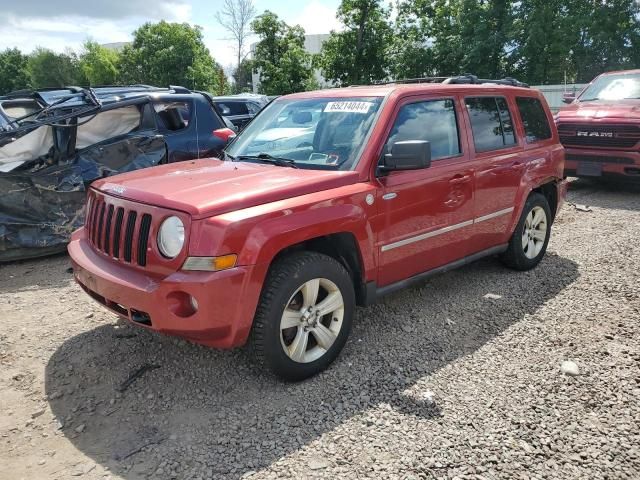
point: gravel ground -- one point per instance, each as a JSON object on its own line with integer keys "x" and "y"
{"x": 438, "y": 381}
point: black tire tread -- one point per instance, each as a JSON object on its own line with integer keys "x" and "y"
{"x": 514, "y": 257}
{"x": 279, "y": 273}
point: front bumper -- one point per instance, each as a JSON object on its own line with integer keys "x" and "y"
{"x": 581, "y": 162}
{"x": 226, "y": 300}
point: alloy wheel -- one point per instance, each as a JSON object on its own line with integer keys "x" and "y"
{"x": 534, "y": 233}
{"x": 312, "y": 320}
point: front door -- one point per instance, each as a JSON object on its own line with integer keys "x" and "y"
{"x": 426, "y": 214}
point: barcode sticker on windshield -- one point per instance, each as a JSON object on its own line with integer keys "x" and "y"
{"x": 348, "y": 107}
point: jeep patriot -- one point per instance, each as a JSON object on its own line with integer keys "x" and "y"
{"x": 326, "y": 200}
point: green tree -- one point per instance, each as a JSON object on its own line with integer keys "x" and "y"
{"x": 542, "y": 35}
{"x": 280, "y": 58}
{"x": 14, "y": 74}
{"x": 606, "y": 37}
{"x": 99, "y": 65}
{"x": 165, "y": 54}
{"x": 242, "y": 76}
{"x": 573, "y": 39}
{"x": 472, "y": 36}
{"x": 358, "y": 54}
{"x": 51, "y": 69}
{"x": 412, "y": 52}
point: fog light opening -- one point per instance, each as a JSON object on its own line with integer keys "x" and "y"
{"x": 182, "y": 304}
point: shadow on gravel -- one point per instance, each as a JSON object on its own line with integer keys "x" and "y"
{"x": 45, "y": 272}
{"x": 605, "y": 193}
{"x": 214, "y": 413}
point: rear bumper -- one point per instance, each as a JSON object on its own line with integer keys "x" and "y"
{"x": 610, "y": 162}
{"x": 226, "y": 300}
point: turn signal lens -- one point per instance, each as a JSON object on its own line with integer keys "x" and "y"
{"x": 210, "y": 264}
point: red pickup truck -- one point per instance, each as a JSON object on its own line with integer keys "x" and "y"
{"x": 326, "y": 200}
{"x": 600, "y": 129}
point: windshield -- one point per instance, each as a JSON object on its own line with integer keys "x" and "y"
{"x": 319, "y": 133}
{"x": 620, "y": 86}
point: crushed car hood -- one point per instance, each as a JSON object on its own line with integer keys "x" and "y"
{"x": 204, "y": 188}
{"x": 627, "y": 109}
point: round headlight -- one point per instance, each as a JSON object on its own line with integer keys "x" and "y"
{"x": 171, "y": 237}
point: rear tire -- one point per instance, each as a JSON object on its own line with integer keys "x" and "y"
{"x": 304, "y": 315}
{"x": 529, "y": 241}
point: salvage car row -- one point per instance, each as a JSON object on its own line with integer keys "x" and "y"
{"x": 54, "y": 143}
{"x": 327, "y": 200}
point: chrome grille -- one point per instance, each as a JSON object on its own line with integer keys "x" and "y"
{"x": 589, "y": 135}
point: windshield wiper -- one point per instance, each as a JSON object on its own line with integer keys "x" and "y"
{"x": 265, "y": 157}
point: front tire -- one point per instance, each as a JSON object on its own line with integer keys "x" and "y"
{"x": 304, "y": 315}
{"x": 529, "y": 241}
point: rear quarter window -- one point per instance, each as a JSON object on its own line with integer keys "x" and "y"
{"x": 534, "y": 119}
{"x": 173, "y": 116}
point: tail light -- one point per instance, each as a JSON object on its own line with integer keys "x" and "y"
{"x": 225, "y": 134}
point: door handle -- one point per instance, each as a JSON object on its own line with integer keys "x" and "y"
{"x": 458, "y": 179}
{"x": 517, "y": 165}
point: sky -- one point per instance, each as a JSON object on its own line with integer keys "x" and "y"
{"x": 63, "y": 24}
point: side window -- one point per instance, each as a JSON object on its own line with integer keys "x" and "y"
{"x": 253, "y": 108}
{"x": 173, "y": 116}
{"x": 433, "y": 120}
{"x": 507, "y": 124}
{"x": 233, "y": 108}
{"x": 491, "y": 123}
{"x": 534, "y": 119}
{"x": 148, "y": 121}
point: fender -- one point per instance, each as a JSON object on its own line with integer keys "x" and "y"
{"x": 257, "y": 234}
{"x": 549, "y": 168}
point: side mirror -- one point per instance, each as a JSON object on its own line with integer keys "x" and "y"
{"x": 568, "y": 97}
{"x": 407, "y": 155}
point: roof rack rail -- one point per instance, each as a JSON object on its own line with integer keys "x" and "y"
{"x": 469, "y": 79}
{"x": 179, "y": 89}
{"x": 413, "y": 80}
{"x": 466, "y": 79}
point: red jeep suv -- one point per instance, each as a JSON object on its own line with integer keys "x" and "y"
{"x": 601, "y": 128}
{"x": 327, "y": 200}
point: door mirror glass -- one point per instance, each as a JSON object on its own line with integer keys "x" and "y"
{"x": 568, "y": 97}
{"x": 407, "y": 155}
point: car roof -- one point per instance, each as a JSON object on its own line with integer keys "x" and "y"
{"x": 408, "y": 89}
{"x": 106, "y": 94}
{"x": 240, "y": 98}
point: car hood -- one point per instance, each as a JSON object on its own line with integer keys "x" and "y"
{"x": 599, "y": 109}
{"x": 208, "y": 187}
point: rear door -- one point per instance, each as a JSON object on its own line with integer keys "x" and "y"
{"x": 426, "y": 215}
{"x": 498, "y": 164}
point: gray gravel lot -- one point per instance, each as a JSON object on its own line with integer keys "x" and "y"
{"x": 437, "y": 381}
